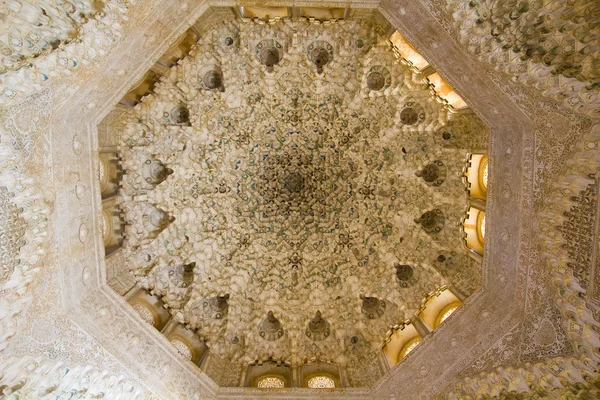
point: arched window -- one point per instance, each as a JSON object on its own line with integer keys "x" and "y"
{"x": 400, "y": 340}
{"x": 270, "y": 382}
{"x": 179, "y": 49}
{"x": 481, "y": 227}
{"x": 269, "y": 375}
{"x": 483, "y": 173}
{"x": 112, "y": 227}
{"x": 438, "y": 306}
{"x": 106, "y": 227}
{"x": 109, "y": 173}
{"x": 408, "y": 347}
{"x": 407, "y": 53}
{"x": 187, "y": 342}
{"x": 146, "y": 313}
{"x": 150, "y": 308}
{"x": 103, "y": 169}
{"x": 182, "y": 348}
{"x": 264, "y": 12}
{"x": 446, "y": 312}
{"x": 445, "y": 92}
{"x": 476, "y": 175}
{"x": 140, "y": 89}
{"x": 473, "y": 226}
{"x": 321, "y": 382}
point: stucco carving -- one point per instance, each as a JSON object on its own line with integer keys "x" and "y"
{"x": 290, "y": 188}
{"x": 547, "y": 46}
{"x": 559, "y": 151}
{"x": 24, "y": 215}
{"x": 30, "y": 377}
{"x": 33, "y": 33}
{"x": 30, "y": 30}
{"x": 318, "y": 327}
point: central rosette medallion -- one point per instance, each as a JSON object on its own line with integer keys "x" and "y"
{"x": 294, "y": 182}
{"x": 296, "y": 191}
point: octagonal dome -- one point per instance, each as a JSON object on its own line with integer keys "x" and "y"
{"x": 290, "y": 200}
{"x": 296, "y": 187}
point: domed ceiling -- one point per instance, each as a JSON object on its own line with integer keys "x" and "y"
{"x": 292, "y": 189}
{"x": 284, "y": 177}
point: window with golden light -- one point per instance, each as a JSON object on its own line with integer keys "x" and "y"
{"x": 271, "y": 382}
{"x": 408, "y": 347}
{"x": 481, "y": 227}
{"x": 446, "y": 313}
{"x": 483, "y": 173}
{"x": 321, "y": 382}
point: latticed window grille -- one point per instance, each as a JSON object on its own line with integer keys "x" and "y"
{"x": 182, "y": 348}
{"x": 321, "y": 382}
{"x": 270, "y": 382}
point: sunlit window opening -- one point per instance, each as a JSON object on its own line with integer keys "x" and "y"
{"x": 447, "y": 312}
{"x": 408, "y": 347}
{"x": 409, "y": 56}
{"x": 438, "y": 306}
{"x": 321, "y": 382}
{"x": 476, "y": 175}
{"x": 264, "y": 12}
{"x": 400, "y": 340}
{"x": 322, "y": 14}
{"x": 483, "y": 172}
{"x": 473, "y": 227}
{"x": 445, "y": 92}
{"x": 408, "y": 53}
{"x": 270, "y": 382}
{"x": 481, "y": 225}
{"x": 272, "y": 13}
